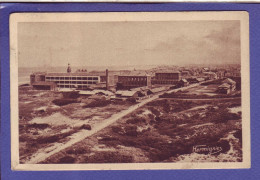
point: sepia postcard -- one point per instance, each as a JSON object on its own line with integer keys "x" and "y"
{"x": 130, "y": 90}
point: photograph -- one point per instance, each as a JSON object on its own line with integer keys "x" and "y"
{"x": 130, "y": 90}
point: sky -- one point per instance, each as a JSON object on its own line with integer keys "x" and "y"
{"x": 54, "y": 44}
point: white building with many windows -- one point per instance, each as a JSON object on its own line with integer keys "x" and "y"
{"x": 72, "y": 80}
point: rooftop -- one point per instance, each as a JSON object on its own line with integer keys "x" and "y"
{"x": 167, "y": 71}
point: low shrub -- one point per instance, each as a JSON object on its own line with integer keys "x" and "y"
{"x": 98, "y": 103}
{"x": 63, "y": 102}
{"x": 77, "y": 151}
{"x": 38, "y": 126}
{"x": 131, "y": 130}
{"x": 117, "y": 129}
{"x": 86, "y": 126}
{"x": 238, "y": 134}
{"x": 222, "y": 116}
{"x": 109, "y": 157}
{"x": 136, "y": 120}
{"x": 155, "y": 111}
{"x": 66, "y": 160}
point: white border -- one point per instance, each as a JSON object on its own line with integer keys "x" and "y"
{"x": 131, "y": 16}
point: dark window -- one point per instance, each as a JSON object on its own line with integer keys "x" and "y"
{"x": 95, "y": 78}
{"x": 73, "y": 78}
{"x": 67, "y": 78}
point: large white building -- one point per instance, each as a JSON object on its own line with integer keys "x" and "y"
{"x": 72, "y": 80}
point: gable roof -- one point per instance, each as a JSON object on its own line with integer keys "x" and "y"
{"x": 229, "y": 81}
{"x": 224, "y": 85}
{"x": 126, "y": 93}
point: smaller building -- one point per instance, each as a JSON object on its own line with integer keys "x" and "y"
{"x": 37, "y": 77}
{"x": 43, "y": 85}
{"x": 231, "y": 83}
{"x": 210, "y": 75}
{"x": 183, "y": 83}
{"x": 224, "y": 88}
{"x": 185, "y": 74}
{"x": 127, "y": 94}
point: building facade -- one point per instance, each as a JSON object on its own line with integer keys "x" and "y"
{"x": 129, "y": 82}
{"x": 72, "y": 80}
{"x": 167, "y": 78}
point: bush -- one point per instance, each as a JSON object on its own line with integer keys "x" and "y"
{"x": 98, "y": 103}
{"x": 86, "y": 126}
{"x": 77, "y": 151}
{"x": 222, "y": 116}
{"x": 109, "y": 157}
{"x": 38, "y": 126}
{"x": 63, "y": 102}
{"x": 136, "y": 120}
{"x": 238, "y": 134}
{"x": 67, "y": 160}
{"x": 131, "y": 130}
{"x": 131, "y": 99}
{"x": 155, "y": 111}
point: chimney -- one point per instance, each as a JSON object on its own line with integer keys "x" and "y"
{"x": 107, "y": 79}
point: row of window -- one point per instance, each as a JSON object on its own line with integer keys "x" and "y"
{"x": 71, "y": 78}
{"x": 132, "y": 79}
{"x": 71, "y": 86}
{"x": 76, "y": 82}
{"x": 164, "y": 82}
{"x": 134, "y": 83}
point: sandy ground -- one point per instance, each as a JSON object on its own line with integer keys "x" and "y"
{"x": 44, "y": 153}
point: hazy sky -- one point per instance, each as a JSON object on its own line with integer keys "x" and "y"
{"x": 128, "y": 43}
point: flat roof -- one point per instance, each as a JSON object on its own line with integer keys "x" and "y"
{"x": 167, "y": 72}
{"x": 71, "y": 74}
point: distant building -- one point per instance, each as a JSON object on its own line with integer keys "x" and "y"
{"x": 167, "y": 77}
{"x": 183, "y": 83}
{"x": 231, "y": 83}
{"x": 210, "y": 75}
{"x": 36, "y": 77}
{"x": 224, "y": 88}
{"x": 131, "y": 81}
{"x": 227, "y": 87}
{"x": 185, "y": 74}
